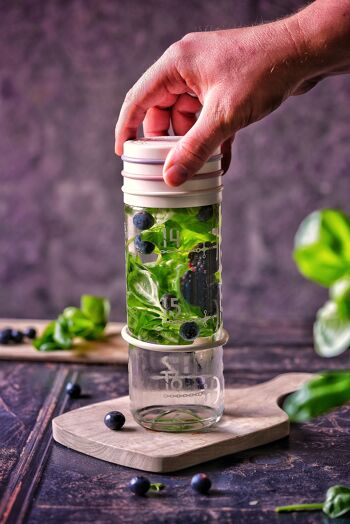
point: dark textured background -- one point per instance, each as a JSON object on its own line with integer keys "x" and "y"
{"x": 65, "y": 67}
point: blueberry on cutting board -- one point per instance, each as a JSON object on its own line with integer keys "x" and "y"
{"x": 5, "y": 336}
{"x": 29, "y": 332}
{"x": 114, "y": 420}
{"x": 16, "y": 336}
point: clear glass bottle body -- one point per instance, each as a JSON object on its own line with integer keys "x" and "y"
{"x": 177, "y": 390}
{"x": 173, "y": 273}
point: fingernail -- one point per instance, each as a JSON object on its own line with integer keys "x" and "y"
{"x": 176, "y": 175}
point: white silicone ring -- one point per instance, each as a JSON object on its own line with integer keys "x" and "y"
{"x": 195, "y": 346}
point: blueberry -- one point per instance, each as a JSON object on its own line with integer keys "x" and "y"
{"x": 143, "y": 220}
{"x": 139, "y": 485}
{"x": 200, "y": 382}
{"x": 205, "y": 213}
{"x": 73, "y": 390}
{"x": 201, "y": 483}
{"x": 143, "y": 246}
{"x": 191, "y": 383}
{"x": 16, "y": 336}
{"x": 29, "y": 332}
{"x": 169, "y": 302}
{"x": 114, "y": 420}
{"x": 189, "y": 331}
{"x": 5, "y": 336}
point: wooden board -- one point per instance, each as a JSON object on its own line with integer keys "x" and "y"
{"x": 252, "y": 417}
{"x": 111, "y": 350}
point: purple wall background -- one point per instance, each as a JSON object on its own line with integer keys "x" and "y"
{"x": 65, "y": 67}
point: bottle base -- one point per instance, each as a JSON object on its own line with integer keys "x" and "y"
{"x": 177, "y": 419}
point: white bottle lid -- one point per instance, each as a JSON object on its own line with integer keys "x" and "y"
{"x": 144, "y": 185}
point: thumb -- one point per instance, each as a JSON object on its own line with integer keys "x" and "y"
{"x": 194, "y": 148}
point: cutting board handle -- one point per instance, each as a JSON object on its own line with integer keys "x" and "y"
{"x": 278, "y": 386}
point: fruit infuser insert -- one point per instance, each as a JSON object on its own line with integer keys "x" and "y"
{"x": 173, "y": 273}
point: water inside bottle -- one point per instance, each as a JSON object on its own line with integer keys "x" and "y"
{"x": 179, "y": 391}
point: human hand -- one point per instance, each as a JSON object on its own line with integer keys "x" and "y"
{"x": 238, "y": 76}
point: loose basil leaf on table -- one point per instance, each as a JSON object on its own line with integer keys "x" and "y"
{"x": 95, "y": 308}
{"x": 337, "y": 501}
{"x": 79, "y": 324}
{"x": 88, "y": 323}
{"x": 319, "y": 395}
{"x": 55, "y": 336}
{"x": 336, "y": 504}
{"x": 62, "y": 334}
{"x": 46, "y": 342}
{"x": 322, "y": 246}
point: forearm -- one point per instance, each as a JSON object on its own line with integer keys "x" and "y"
{"x": 322, "y": 34}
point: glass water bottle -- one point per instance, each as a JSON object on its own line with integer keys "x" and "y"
{"x": 173, "y": 285}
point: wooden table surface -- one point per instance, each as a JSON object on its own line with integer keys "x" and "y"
{"x": 43, "y": 482}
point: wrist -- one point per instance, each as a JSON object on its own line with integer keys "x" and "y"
{"x": 322, "y": 33}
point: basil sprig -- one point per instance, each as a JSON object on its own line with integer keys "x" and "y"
{"x": 321, "y": 394}
{"x": 322, "y": 254}
{"x": 86, "y": 322}
{"x": 336, "y": 504}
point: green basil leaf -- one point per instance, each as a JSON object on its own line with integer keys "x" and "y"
{"x": 78, "y": 323}
{"x": 95, "y": 308}
{"x": 157, "y": 235}
{"x": 49, "y": 346}
{"x": 96, "y": 333}
{"x": 61, "y": 333}
{"x": 88, "y": 323}
{"x": 142, "y": 286}
{"x": 336, "y": 504}
{"x": 337, "y": 501}
{"x": 340, "y": 294}
{"x": 47, "y": 340}
{"x": 331, "y": 331}
{"x": 322, "y": 246}
{"x": 187, "y": 219}
{"x": 319, "y": 395}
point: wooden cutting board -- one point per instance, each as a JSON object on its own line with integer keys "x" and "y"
{"x": 252, "y": 417}
{"x": 111, "y": 350}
